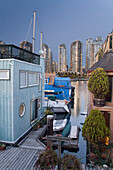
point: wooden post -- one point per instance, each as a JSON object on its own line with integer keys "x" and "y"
{"x": 59, "y": 155}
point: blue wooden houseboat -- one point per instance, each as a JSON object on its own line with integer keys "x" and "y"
{"x": 21, "y": 92}
{"x": 58, "y": 86}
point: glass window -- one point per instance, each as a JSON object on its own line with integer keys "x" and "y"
{"x": 111, "y": 42}
{"x": 4, "y": 74}
{"x": 23, "y": 79}
{"x": 22, "y": 109}
{"x": 33, "y": 78}
{"x": 46, "y": 81}
{"x": 109, "y": 95}
{"x": 39, "y": 81}
{"x": 39, "y": 103}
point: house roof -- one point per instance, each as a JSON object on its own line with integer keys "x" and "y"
{"x": 106, "y": 62}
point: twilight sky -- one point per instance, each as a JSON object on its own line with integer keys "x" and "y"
{"x": 61, "y": 21}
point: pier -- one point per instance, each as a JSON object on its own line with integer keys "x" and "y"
{"x": 79, "y": 79}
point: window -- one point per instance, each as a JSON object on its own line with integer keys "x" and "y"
{"x": 34, "y": 109}
{"x": 111, "y": 42}
{"x": 4, "y": 74}
{"x": 109, "y": 95}
{"x": 39, "y": 81}
{"x": 33, "y": 78}
{"x": 39, "y": 103}
{"x": 23, "y": 79}
{"x": 46, "y": 81}
{"x": 22, "y": 110}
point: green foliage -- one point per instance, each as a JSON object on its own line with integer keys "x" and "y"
{"x": 94, "y": 128}
{"x": 98, "y": 83}
{"x": 47, "y": 159}
{"x": 70, "y": 162}
{"x": 48, "y": 112}
{"x": 100, "y": 53}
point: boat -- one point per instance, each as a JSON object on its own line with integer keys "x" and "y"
{"x": 56, "y": 106}
{"x": 58, "y": 86}
{"x": 60, "y": 124}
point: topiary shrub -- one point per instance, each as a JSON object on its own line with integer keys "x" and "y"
{"x": 70, "y": 162}
{"x": 98, "y": 83}
{"x": 94, "y": 128}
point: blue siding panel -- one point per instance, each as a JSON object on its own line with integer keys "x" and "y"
{"x": 12, "y": 126}
{"x": 5, "y": 105}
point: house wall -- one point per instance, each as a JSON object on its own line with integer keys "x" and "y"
{"x": 6, "y": 106}
{"x": 12, "y": 125}
{"x": 108, "y": 108}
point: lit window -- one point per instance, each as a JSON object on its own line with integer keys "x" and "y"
{"x": 4, "y": 74}
{"x": 23, "y": 79}
{"x": 22, "y": 109}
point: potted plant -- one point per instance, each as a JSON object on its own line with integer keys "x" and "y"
{"x": 2, "y": 146}
{"x": 70, "y": 162}
{"x": 99, "y": 85}
{"x": 47, "y": 160}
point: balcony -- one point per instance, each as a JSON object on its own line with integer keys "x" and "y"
{"x": 12, "y": 51}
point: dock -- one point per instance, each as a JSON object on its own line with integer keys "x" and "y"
{"x": 32, "y": 140}
{"x": 25, "y": 154}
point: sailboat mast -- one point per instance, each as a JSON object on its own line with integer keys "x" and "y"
{"x": 34, "y": 31}
{"x": 41, "y": 42}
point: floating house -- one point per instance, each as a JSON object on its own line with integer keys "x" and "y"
{"x": 106, "y": 62}
{"x": 58, "y": 86}
{"x": 21, "y": 92}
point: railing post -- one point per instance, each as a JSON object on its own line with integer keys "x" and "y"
{"x": 59, "y": 155}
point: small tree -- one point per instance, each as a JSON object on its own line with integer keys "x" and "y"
{"x": 94, "y": 128}
{"x": 98, "y": 83}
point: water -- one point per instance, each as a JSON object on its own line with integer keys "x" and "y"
{"x": 80, "y": 105}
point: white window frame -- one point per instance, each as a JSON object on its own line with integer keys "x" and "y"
{"x": 21, "y": 71}
{"x": 7, "y": 75}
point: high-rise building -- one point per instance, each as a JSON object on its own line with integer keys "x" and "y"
{"x": 96, "y": 45}
{"x": 88, "y": 51}
{"x": 62, "y": 59}
{"x": 92, "y": 48}
{"x": 107, "y": 46}
{"x": 49, "y": 61}
{"x": 26, "y": 45}
{"x": 54, "y": 67}
{"x": 76, "y": 57}
{"x": 45, "y": 49}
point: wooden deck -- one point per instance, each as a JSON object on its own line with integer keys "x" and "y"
{"x": 18, "y": 159}
{"x": 32, "y": 141}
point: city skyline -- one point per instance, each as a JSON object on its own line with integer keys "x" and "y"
{"x": 60, "y": 22}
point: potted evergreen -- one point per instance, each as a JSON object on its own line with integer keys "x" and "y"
{"x": 99, "y": 85}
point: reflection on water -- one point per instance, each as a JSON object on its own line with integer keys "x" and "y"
{"x": 80, "y": 105}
